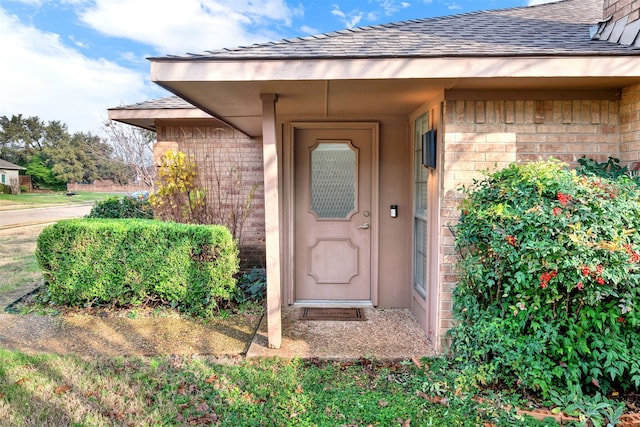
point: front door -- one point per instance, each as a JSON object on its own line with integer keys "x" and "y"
{"x": 333, "y": 214}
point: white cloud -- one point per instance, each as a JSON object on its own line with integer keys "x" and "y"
{"x": 43, "y": 77}
{"x": 176, "y": 27}
{"x": 30, "y": 2}
{"x": 350, "y": 19}
{"x": 79, "y": 43}
{"x": 309, "y": 30}
{"x": 392, "y": 6}
{"x": 298, "y": 11}
{"x": 535, "y": 2}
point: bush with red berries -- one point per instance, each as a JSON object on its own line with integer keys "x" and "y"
{"x": 549, "y": 279}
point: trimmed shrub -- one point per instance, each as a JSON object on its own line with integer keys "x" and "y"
{"x": 132, "y": 261}
{"x": 549, "y": 280}
{"x": 122, "y": 207}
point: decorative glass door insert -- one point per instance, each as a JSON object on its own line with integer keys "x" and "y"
{"x": 333, "y": 179}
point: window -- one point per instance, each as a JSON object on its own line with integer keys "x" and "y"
{"x": 420, "y": 181}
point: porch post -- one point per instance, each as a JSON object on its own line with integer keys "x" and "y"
{"x": 271, "y": 219}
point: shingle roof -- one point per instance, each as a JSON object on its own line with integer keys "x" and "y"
{"x": 561, "y": 28}
{"x": 168, "y": 103}
{"x": 10, "y": 166}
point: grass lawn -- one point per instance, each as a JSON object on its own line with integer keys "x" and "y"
{"x": 36, "y": 199}
{"x": 161, "y": 391}
{"x": 19, "y": 269}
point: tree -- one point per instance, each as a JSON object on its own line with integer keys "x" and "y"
{"x": 132, "y": 146}
{"x": 22, "y": 138}
{"x": 54, "y": 157}
{"x": 41, "y": 174}
{"x": 85, "y": 157}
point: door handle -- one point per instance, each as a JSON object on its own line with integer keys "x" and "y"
{"x": 364, "y": 226}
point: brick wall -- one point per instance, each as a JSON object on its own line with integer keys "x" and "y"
{"x": 106, "y": 186}
{"x": 485, "y": 135}
{"x": 621, "y": 8}
{"x": 630, "y": 126}
{"x": 230, "y": 169}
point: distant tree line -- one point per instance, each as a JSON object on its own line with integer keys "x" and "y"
{"x": 53, "y": 156}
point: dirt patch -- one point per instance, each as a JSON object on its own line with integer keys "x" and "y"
{"x": 104, "y": 331}
{"x": 117, "y": 336}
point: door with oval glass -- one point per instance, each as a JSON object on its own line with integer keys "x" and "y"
{"x": 333, "y": 214}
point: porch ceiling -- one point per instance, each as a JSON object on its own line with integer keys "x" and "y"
{"x": 238, "y": 103}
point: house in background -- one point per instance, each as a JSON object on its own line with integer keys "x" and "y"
{"x": 354, "y": 212}
{"x": 229, "y": 164}
{"x": 10, "y": 176}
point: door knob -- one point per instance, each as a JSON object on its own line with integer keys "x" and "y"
{"x": 364, "y": 226}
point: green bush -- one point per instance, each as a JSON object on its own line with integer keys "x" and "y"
{"x": 122, "y": 207}
{"x": 549, "y": 279}
{"x": 24, "y": 188}
{"x": 252, "y": 286}
{"x": 611, "y": 169}
{"x": 132, "y": 261}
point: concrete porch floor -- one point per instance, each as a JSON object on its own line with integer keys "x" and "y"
{"x": 385, "y": 334}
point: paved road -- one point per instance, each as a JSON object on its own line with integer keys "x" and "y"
{"x": 15, "y": 218}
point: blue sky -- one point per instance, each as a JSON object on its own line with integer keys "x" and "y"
{"x": 70, "y": 60}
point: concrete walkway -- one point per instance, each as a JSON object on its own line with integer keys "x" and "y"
{"x": 23, "y": 217}
{"x": 387, "y": 334}
{"x": 391, "y": 334}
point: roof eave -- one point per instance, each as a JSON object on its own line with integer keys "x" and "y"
{"x": 167, "y": 70}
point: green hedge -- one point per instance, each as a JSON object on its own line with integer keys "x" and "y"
{"x": 548, "y": 296}
{"x": 132, "y": 261}
{"x": 122, "y": 207}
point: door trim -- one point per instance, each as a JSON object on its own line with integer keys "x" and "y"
{"x": 289, "y": 191}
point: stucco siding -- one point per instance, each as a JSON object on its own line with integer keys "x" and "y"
{"x": 395, "y": 233}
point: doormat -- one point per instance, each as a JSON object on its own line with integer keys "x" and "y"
{"x": 318, "y": 313}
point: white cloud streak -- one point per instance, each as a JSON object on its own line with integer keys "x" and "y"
{"x": 535, "y": 2}
{"x": 176, "y": 27}
{"x": 349, "y": 19}
{"x": 55, "y": 79}
{"x": 45, "y": 78}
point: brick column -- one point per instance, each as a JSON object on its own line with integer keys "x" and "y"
{"x": 630, "y": 125}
